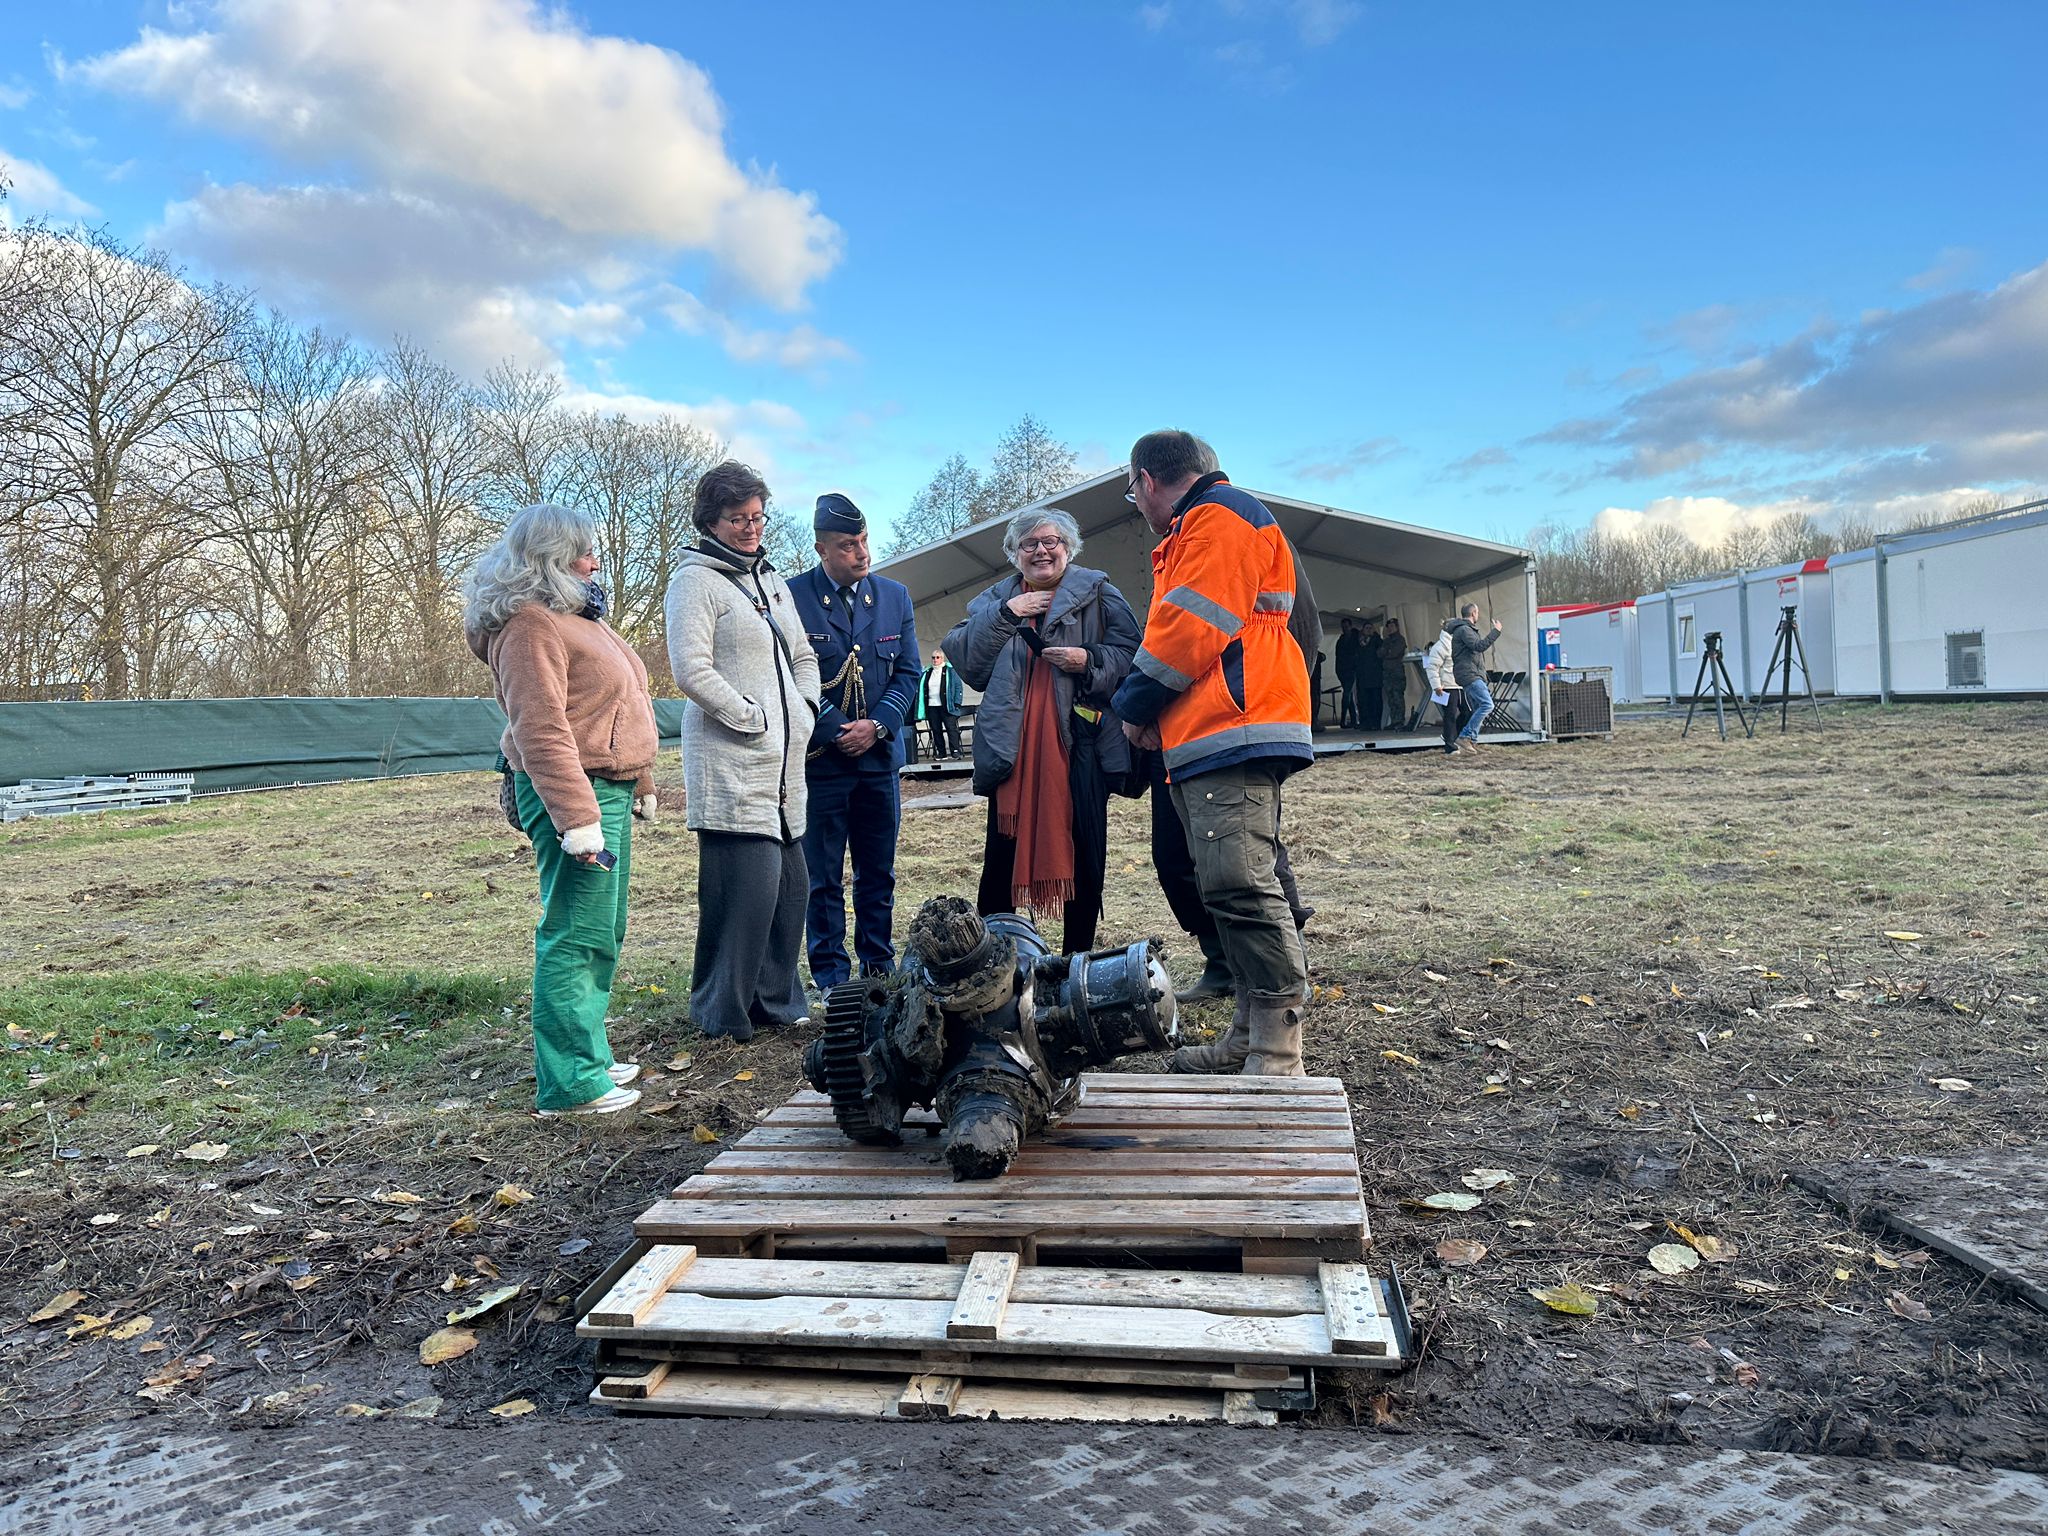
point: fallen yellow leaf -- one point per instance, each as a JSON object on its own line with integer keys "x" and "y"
{"x": 399, "y": 1197}
{"x": 681, "y": 1061}
{"x": 147, "y": 1149}
{"x": 1903, "y": 935}
{"x": 134, "y": 1328}
{"x": 205, "y": 1151}
{"x": 56, "y": 1306}
{"x": 509, "y": 1195}
{"x": 513, "y": 1409}
{"x": 1573, "y": 1300}
{"x": 745, "y": 1075}
{"x": 445, "y": 1344}
{"x": 703, "y": 1135}
{"x": 1458, "y": 1252}
{"x": 1584, "y": 997}
{"x": 489, "y": 1301}
{"x": 1400, "y": 1056}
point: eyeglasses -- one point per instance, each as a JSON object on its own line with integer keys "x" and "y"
{"x": 1131, "y": 493}
{"x": 1030, "y": 546}
{"x": 758, "y": 520}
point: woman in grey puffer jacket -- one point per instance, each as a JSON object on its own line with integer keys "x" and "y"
{"x": 750, "y": 682}
{"x": 1047, "y": 647}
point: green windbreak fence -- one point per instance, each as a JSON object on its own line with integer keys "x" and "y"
{"x": 255, "y": 743}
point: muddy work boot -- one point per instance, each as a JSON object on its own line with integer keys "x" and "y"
{"x": 1275, "y": 1037}
{"x": 1226, "y": 1052}
{"x": 1215, "y": 980}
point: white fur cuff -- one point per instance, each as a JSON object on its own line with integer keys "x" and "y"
{"x": 646, "y": 806}
{"x": 578, "y": 841}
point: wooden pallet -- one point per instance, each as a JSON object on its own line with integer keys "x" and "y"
{"x": 1174, "y": 1248}
{"x": 1254, "y": 1174}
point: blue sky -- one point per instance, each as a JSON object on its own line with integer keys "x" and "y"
{"x": 1476, "y": 266}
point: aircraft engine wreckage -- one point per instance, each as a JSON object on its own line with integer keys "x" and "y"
{"x": 983, "y": 1022}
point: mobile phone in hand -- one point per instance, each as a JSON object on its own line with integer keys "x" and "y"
{"x": 605, "y": 860}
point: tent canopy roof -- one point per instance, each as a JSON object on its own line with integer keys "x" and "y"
{"x": 973, "y": 557}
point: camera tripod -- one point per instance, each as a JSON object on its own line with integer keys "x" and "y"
{"x": 1788, "y": 644}
{"x": 1713, "y": 669}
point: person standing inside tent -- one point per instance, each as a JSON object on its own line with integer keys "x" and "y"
{"x": 1369, "y": 716}
{"x": 580, "y": 740}
{"x": 860, "y": 625}
{"x": 1348, "y": 642}
{"x": 939, "y": 696}
{"x": 1219, "y": 686}
{"x": 750, "y": 682}
{"x": 1394, "y": 675}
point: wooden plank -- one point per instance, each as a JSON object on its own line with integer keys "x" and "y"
{"x": 1351, "y": 1311}
{"x": 907, "y": 1363}
{"x": 843, "y": 1156}
{"x": 1128, "y": 1118}
{"x": 984, "y": 1297}
{"x": 929, "y": 1397}
{"x": 837, "y": 1395}
{"x": 608, "y": 1277}
{"x": 624, "y": 1383}
{"x": 1326, "y": 1220}
{"x": 1156, "y": 1105}
{"x": 1105, "y": 1332}
{"x": 1245, "y": 1295}
{"x": 1171, "y": 1138}
{"x": 629, "y": 1302}
{"x": 1013, "y": 1185}
{"x": 1177, "y": 1083}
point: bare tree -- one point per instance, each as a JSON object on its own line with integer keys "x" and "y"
{"x": 106, "y": 369}
{"x": 531, "y": 442}
{"x": 948, "y": 502}
{"x": 1029, "y": 463}
{"x": 436, "y": 464}
{"x": 290, "y": 446}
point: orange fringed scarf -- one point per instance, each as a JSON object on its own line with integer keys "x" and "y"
{"x": 1034, "y": 804}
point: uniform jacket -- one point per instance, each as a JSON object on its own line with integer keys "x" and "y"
{"x": 748, "y": 707}
{"x": 1467, "y": 648}
{"x": 576, "y": 707}
{"x": 950, "y": 692}
{"x": 879, "y": 626}
{"x": 1219, "y": 671}
{"x": 1393, "y": 662}
{"x": 989, "y": 649}
{"x": 1349, "y": 644}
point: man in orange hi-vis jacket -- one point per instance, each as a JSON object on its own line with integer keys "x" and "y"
{"x": 1220, "y": 689}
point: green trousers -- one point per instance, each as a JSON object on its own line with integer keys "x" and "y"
{"x": 576, "y": 947}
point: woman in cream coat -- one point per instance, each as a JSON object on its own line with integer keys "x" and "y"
{"x": 750, "y": 681}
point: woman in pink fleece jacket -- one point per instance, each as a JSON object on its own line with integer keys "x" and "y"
{"x": 580, "y": 742}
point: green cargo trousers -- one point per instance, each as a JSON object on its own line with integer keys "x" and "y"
{"x": 1233, "y": 820}
{"x": 576, "y": 947}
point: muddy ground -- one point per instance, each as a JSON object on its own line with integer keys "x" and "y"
{"x": 1647, "y": 978}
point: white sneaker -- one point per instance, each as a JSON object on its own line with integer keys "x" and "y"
{"x": 609, "y": 1102}
{"x": 623, "y": 1072}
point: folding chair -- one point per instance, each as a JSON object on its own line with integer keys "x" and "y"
{"x": 1507, "y": 689}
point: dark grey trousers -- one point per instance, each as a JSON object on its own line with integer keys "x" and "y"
{"x": 751, "y": 894}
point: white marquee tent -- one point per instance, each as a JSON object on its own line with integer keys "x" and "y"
{"x": 1357, "y": 564}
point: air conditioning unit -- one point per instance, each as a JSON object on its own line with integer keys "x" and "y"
{"x": 1966, "y": 659}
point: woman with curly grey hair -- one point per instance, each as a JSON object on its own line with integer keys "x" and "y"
{"x": 1047, "y": 646}
{"x": 750, "y": 681}
{"x": 580, "y": 743}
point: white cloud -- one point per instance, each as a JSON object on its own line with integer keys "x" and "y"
{"x": 1329, "y": 466}
{"x": 1320, "y": 22}
{"x": 608, "y": 138}
{"x": 1948, "y": 392}
{"x": 1153, "y": 18}
{"x": 1708, "y": 521}
{"x": 802, "y": 348}
{"x": 14, "y": 95}
{"x": 481, "y": 282}
{"x": 36, "y": 189}
{"x": 1953, "y": 263}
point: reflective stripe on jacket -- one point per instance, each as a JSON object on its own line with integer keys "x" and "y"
{"x": 1219, "y": 671}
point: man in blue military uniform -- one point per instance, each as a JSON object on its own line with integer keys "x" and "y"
{"x": 860, "y": 625}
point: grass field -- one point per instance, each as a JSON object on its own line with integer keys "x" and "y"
{"x": 1649, "y": 977}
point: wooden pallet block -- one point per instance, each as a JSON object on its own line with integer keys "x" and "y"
{"x": 739, "y": 1393}
{"x": 1259, "y": 1171}
{"x": 628, "y": 1368}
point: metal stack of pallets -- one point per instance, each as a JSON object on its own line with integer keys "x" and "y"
{"x": 82, "y": 794}
{"x": 1175, "y": 1248}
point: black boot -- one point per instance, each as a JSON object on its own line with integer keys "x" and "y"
{"x": 1215, "y": 980}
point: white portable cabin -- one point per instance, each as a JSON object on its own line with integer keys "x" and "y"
{"x": 1949, "y": 612}
{"x": 1603, "y": 635}
{"x": 1361, "y": 565}
{"x": 1804, "y": 587}
{"x": 1672, "y": 628}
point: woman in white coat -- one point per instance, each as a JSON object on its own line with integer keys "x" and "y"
{"x": 750, "y": 684}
